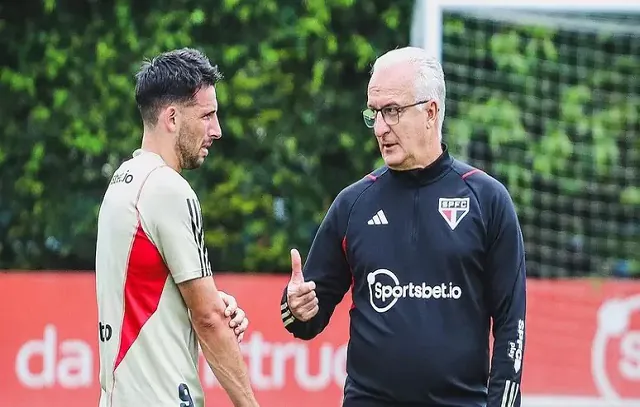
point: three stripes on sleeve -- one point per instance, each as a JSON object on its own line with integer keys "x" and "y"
{"x": 510, "y": 394}
{"x": 286, "y": 315}
{"x": 195, "y": 215}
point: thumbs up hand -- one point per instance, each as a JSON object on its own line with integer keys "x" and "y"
{"x": 301, "y": 295}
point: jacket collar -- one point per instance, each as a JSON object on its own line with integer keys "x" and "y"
{"x": 431, "y": 173}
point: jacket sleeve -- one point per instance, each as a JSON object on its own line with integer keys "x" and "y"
{"x": 327, "y": 266}
{"x": 507, "y": 300}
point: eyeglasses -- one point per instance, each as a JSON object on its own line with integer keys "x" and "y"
{"x": 390, "y": 114}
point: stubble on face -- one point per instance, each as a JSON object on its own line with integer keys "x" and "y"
{"x": 188, "y": 147}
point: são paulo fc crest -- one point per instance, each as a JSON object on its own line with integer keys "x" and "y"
{"x": 453, "y": 210}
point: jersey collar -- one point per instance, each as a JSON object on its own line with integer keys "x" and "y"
{"x": 423, "y": 176}
{"x": 140, "y": 151}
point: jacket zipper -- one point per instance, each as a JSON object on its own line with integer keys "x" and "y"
{"x": 416, "y": 216}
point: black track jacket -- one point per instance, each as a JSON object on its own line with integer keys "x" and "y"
{"x": 432, "y": 256}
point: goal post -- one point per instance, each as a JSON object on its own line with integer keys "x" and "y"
{"x": 545, "y": 96}
{"x": 433, "y": 10}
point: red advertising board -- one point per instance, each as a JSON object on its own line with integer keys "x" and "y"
{"x": 583, "y": 342}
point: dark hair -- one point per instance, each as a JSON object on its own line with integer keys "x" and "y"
{"x": 172, "y": 77}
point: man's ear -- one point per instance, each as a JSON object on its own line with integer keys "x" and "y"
{"x": 432, "y": 113}
{"x": 170, "y": 118}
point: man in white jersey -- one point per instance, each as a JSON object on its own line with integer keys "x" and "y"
{"x": 157, "y": 300}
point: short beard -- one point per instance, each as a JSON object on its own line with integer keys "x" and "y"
{"x": 188, "y": 159}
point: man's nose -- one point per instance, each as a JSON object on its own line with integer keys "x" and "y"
{"x": 215, "y": 130}
{"x": 380, "y": 127}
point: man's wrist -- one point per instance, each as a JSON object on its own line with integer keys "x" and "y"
{"x": 286, "y": 314}
{"x": 289, "y": 319}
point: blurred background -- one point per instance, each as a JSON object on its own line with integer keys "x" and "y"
{"x": 544, "y": 96}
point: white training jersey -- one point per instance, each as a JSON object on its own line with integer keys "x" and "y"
{"x": 150, "y": 238}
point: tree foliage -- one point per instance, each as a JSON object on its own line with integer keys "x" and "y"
{"x": 555, "y": 114}
{"x": 290, "y": 109}
{"x": 295, "y": 82}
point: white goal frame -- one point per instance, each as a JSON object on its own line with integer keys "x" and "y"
{"x": 434, "y": 9}
{"x": 430, "y": 25}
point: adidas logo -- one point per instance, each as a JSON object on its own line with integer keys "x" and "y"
{"x": 378, "y": 219}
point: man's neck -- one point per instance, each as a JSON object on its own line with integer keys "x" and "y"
{"x": 431, "y": 155}
{"x": 153, "y": 143}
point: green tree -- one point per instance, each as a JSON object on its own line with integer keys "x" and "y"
{"x": 555, "y": 115}
{"x": 293, "y": 136}
{"x": 551, "y": 113}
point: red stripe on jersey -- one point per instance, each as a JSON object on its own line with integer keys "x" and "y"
{"x": 145, "y": 280}
{"x": 470, "y": 173}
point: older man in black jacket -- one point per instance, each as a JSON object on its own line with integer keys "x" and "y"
{"x": 433, "y": 252}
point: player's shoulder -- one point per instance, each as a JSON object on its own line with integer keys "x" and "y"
{"x": 350, "y": 194}
{"x": 160, "y": 180}
{"x": 165, "y": 180}
{"x": 482, "y": 184}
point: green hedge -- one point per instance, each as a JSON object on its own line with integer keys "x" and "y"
{"x": 290, "y": 109}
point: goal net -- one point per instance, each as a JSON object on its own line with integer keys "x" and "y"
{"x": 545, "y": 96}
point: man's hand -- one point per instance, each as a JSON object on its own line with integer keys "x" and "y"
{"x": 239, "y": 321}
{"x": 301, "y": 295}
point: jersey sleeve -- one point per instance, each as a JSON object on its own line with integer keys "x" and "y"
{"x": 327, "y": 266}
{"x": 507, "y": 300}
{"x": 171, "y": 216}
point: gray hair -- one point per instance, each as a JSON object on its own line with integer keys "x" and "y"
{"x": 429, "y": 75}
